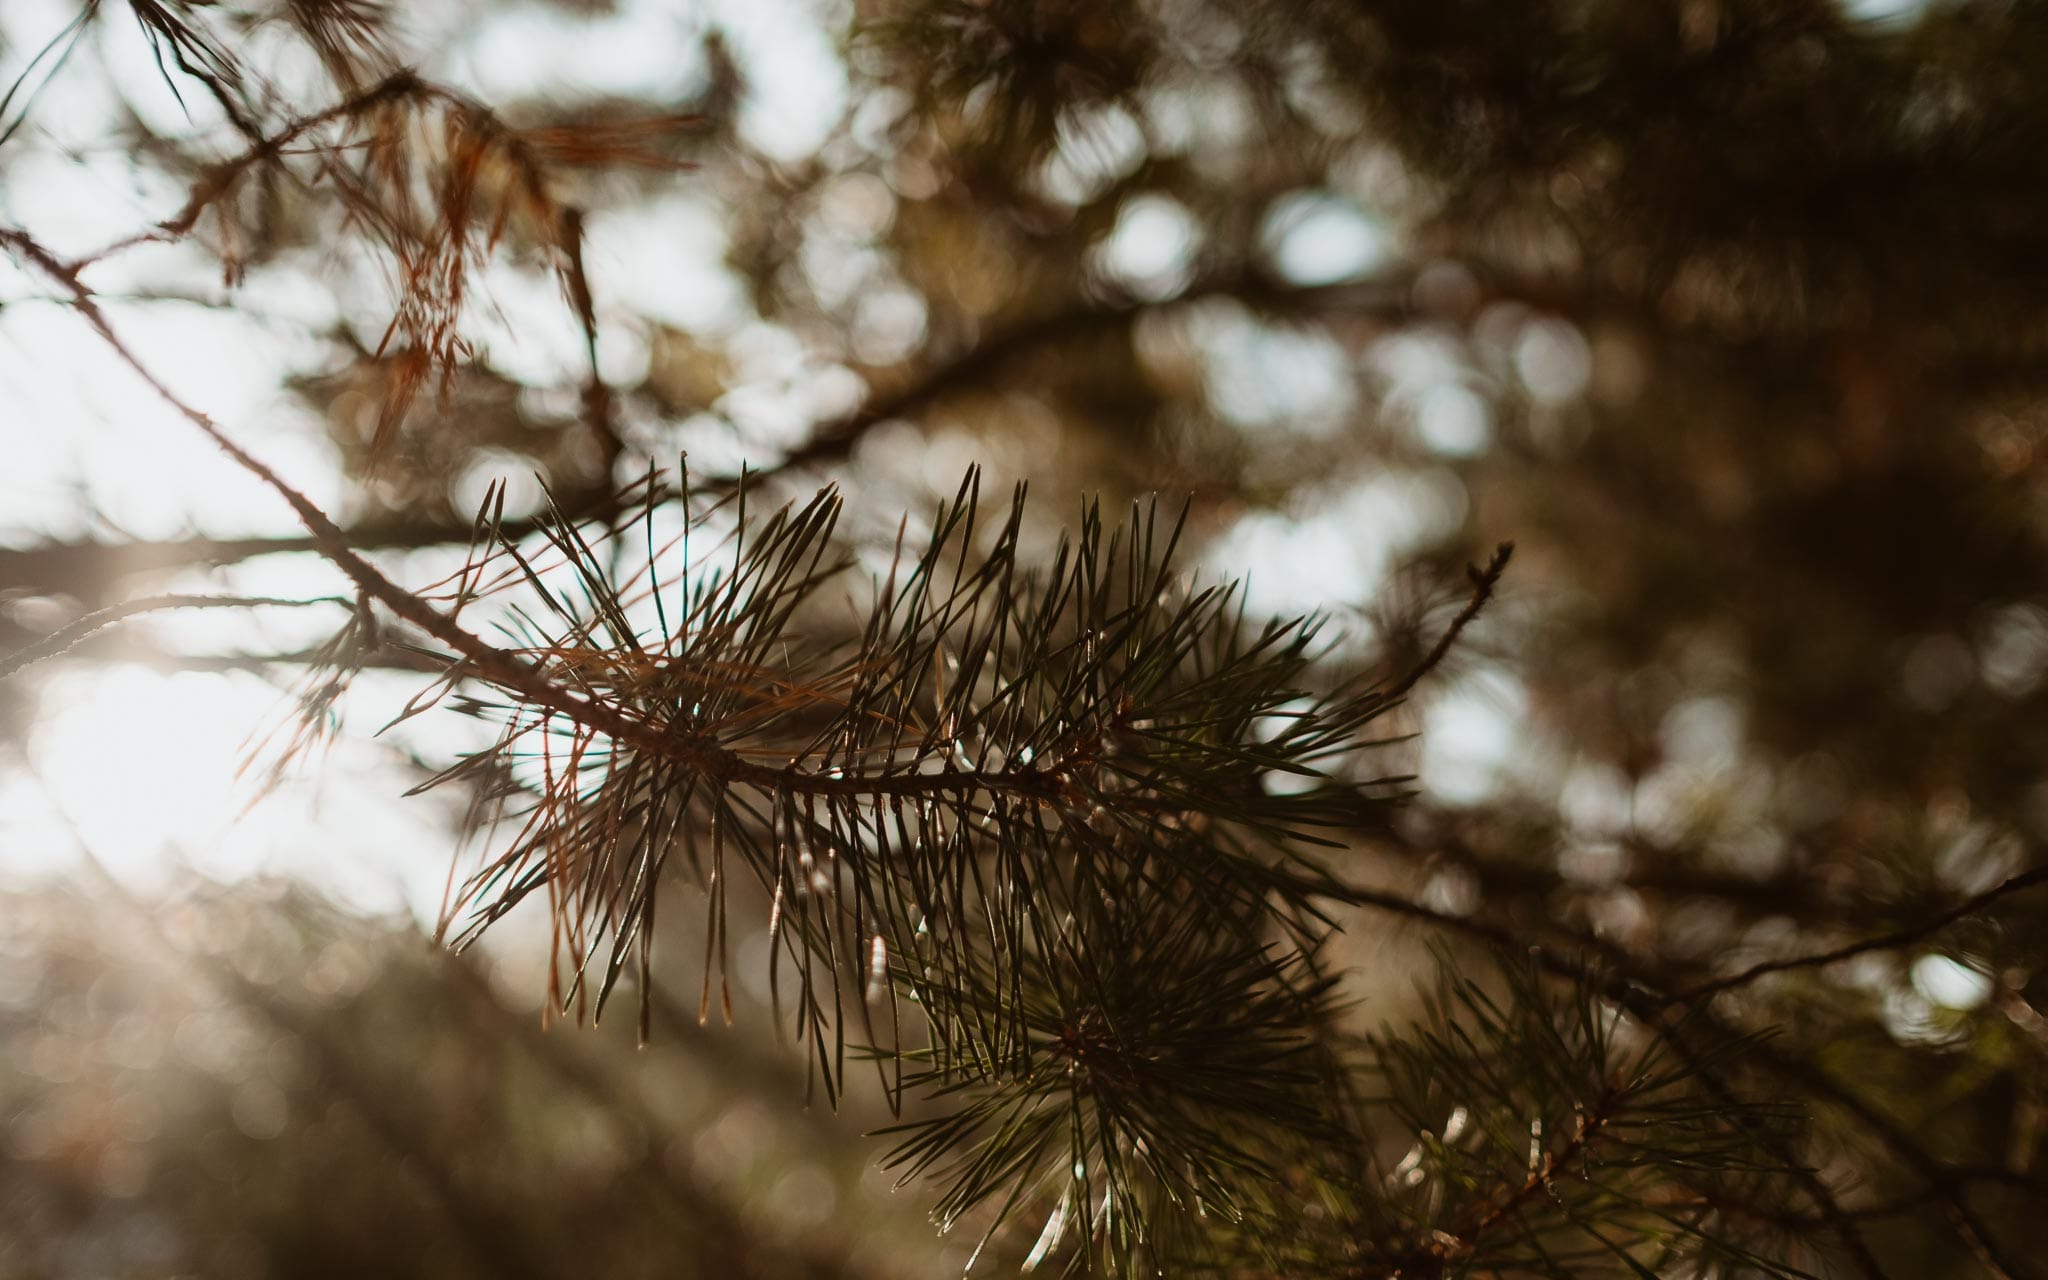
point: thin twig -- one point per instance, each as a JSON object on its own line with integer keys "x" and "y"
{"x": 68, "y": 636}
{"x": 1886, "y": 942}
{"x": 832, "y": 443}
{"x": 1006, "y": 344}
{"x": 1484, "y": 580}
{"x": 219, "y": 178}
{"x": 1817, "y": 1189}
{"x": 508, "y": 670}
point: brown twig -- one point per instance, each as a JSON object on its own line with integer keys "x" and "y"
{"x": 1886, "y": 942}
{"x": 218, "y": 179}
{"x": 1010, "y": 342}
{"x": 65, "y": 637}
{"x": 508, "y": 670}
{"x": 1484, "y": 581}
{"x": 1590, "y": 1123}
{"x": 57, "y": 563}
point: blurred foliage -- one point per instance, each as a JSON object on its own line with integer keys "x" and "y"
{"x": 1726, "y": 311}
{"x": 247, "y": 1082}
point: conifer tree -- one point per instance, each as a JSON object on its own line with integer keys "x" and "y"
{"x": 1053, "y": 836}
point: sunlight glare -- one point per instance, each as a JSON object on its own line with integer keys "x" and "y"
{"x": 144, "y": 763}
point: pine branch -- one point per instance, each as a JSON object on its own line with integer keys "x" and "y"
{"x": 1077, "y": 817}
{"x": 618, "y": 884}
{"x": 1887, "y": 942}
{"x": 90, "y": 568}
{"x": 983, "y": 363}
{"x": 1553, "y": 1141}
{"x": 1941, "y": 1181}
{"x": 1484, "y": 581}
{"x": 63, "y": 639}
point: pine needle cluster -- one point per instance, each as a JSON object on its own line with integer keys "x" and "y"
{"x": 1055, "y": 840}
{"x": 1053, "y": 849}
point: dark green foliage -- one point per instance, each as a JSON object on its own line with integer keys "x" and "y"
{"x": 1541, "y": 1133}
{"x": 1736, "y": 304}
{"x": 1166, "y": 1057}
{"x": 1068, "y": 816}
{"x": 1556, "y": 1138}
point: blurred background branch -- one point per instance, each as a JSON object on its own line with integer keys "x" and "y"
{"x": 1728, "y": 314}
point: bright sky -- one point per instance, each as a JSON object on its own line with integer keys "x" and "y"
{"x": 142, "y": 765}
